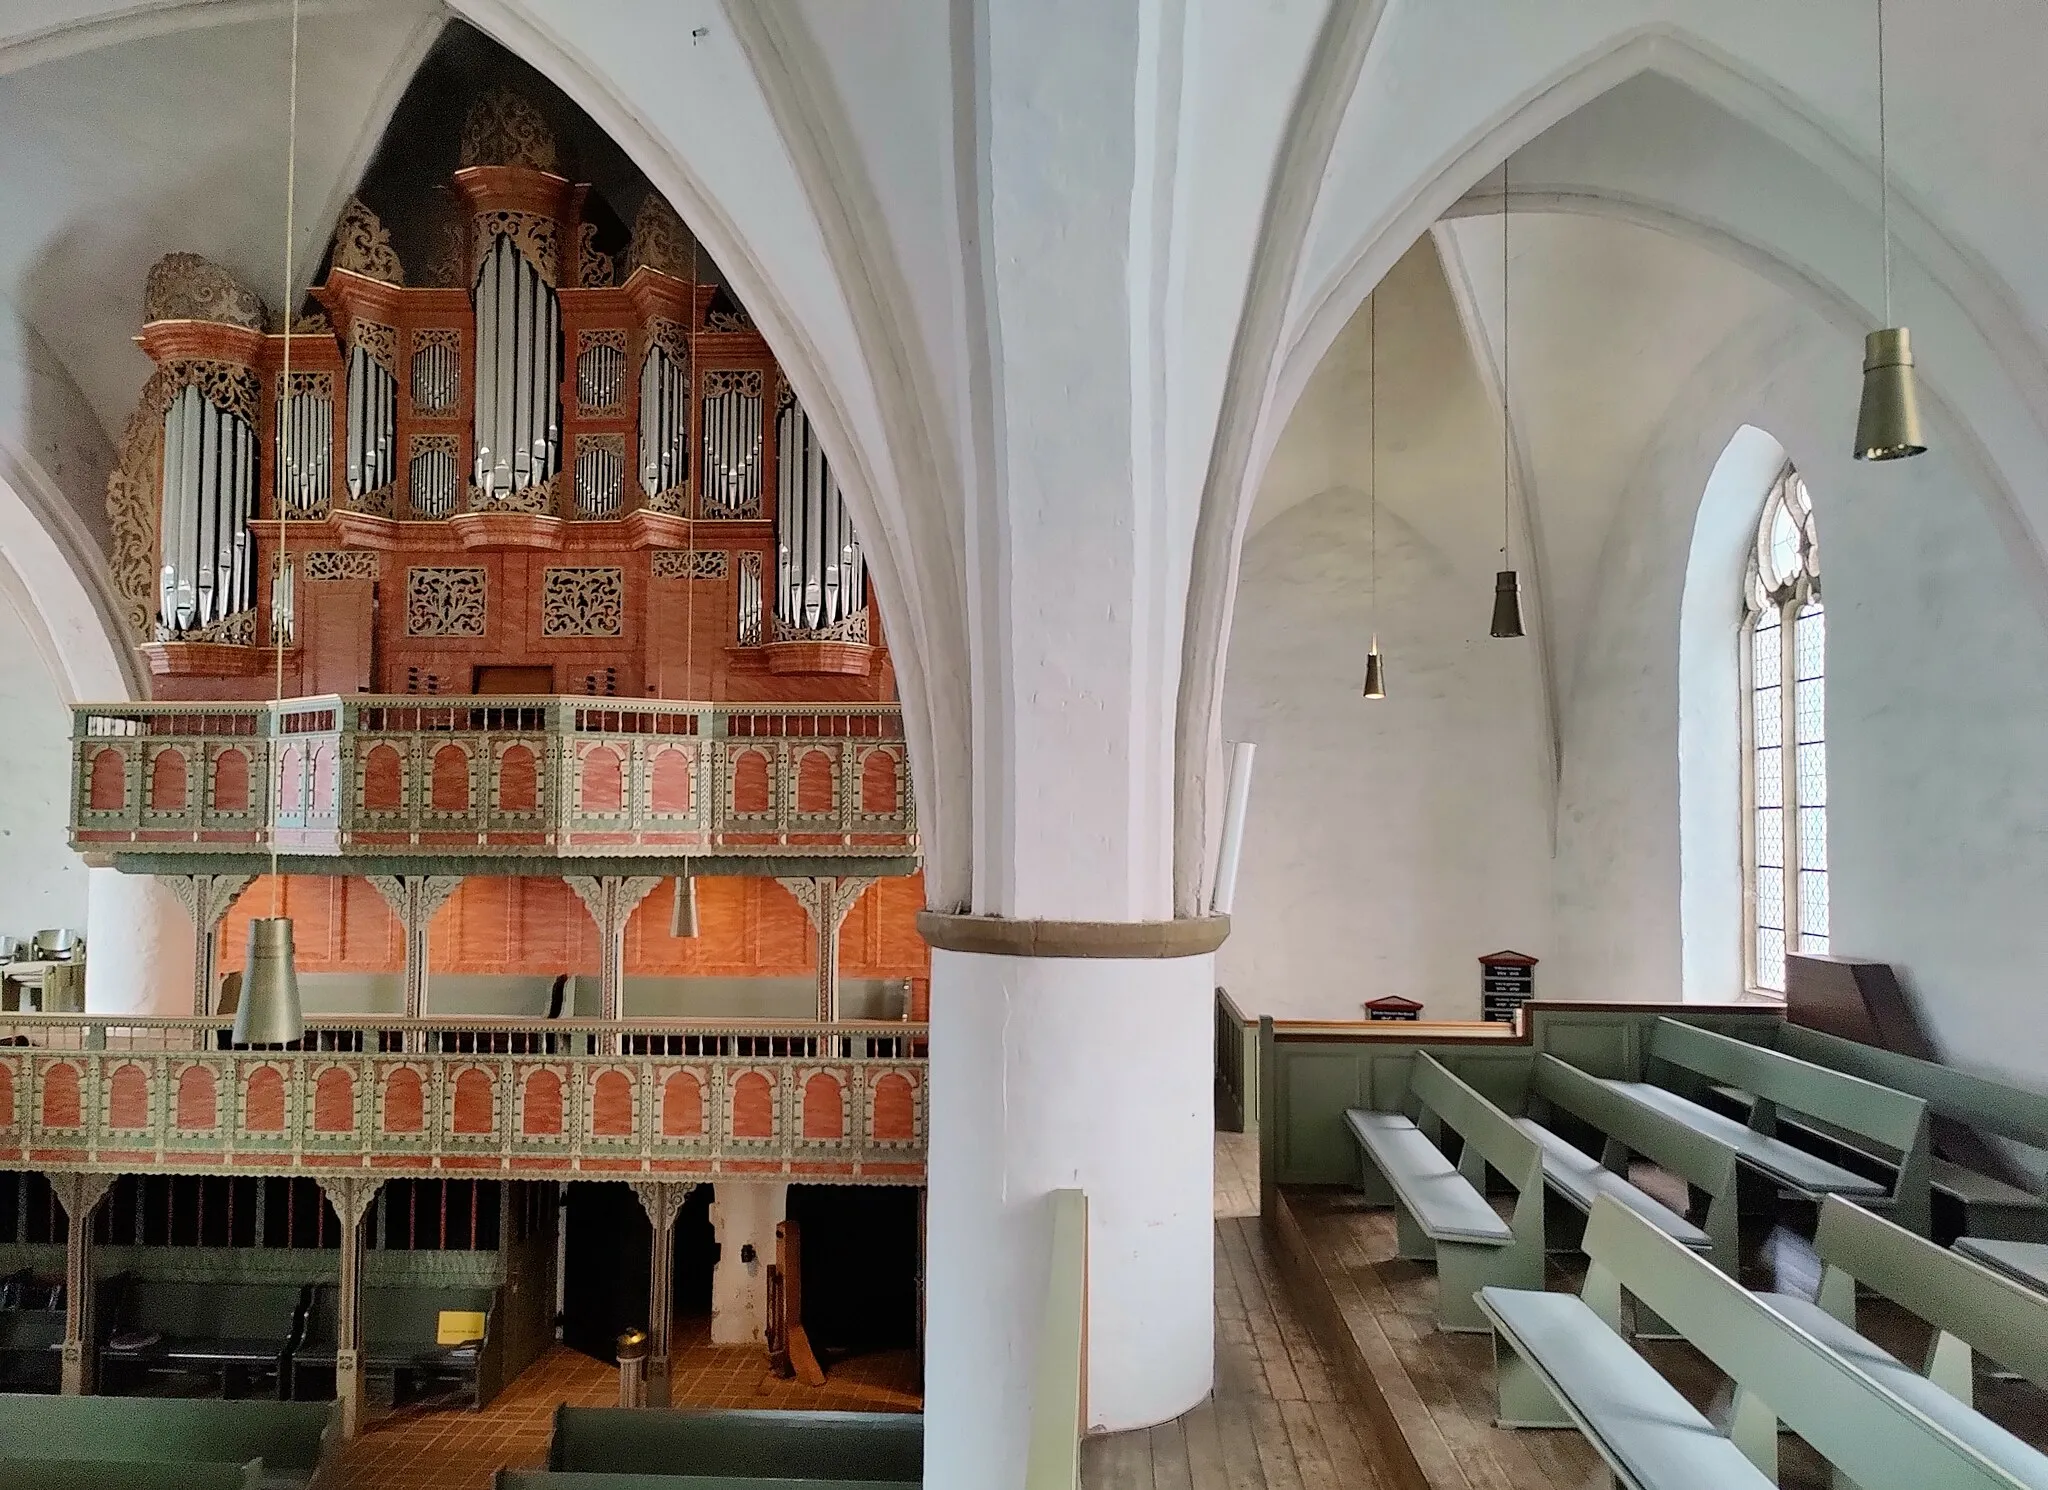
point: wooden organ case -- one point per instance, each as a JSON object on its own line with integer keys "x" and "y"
{"x": 564, "y": 471}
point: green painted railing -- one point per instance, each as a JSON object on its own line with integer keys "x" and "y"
{"x": 1059, "y": 1395}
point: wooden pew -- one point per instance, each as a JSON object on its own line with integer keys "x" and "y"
{"x": 1971, "y": 1308}
{"x": 1991, "y": 1206}
{"x": 2025, "y": 1263}
{"x": 1630, "y": 1129}
{"x": 556, "y": 1479}
{"x": 1560, "y": 1361}
{"x": 237, "y": 1331}
{"x": 115, "y": 1474}
{"x": 1897, "y": 1120}
{"x": 883, "y": 1448}
{"x": 292, "y": 1439}
{"x": 1441, "y": 1209}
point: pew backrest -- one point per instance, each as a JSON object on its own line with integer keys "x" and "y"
{"x": 1977, "y": 1101}
{"x": 1485, "y": 1129}
{"x": 1691, "y": 1155}
{"x": 115, "y": 1474}
{"x": 1965, "y": 1299}
{"x": 1872, "y": 1436}
{"x": 572, "y": 1479}
{"x": 793, "y": 1445}
{"x": 290, "y": 1437}
{"x": 1894, "y": 1118}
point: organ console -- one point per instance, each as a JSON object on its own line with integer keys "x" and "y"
{"x": 525, "y": 458}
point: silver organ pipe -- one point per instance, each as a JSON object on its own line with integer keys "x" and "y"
{"x": 821, "y": 577}
{"x": 750, "y": 598}
{"x": 518, "y": 374}
{"x": 600, "y": 481}
{"x": 431, "y": 480}
{"x": 732, "y": 452}
{"x": 209, "y": 493}
{"x": 435, "y": 381}
{"x": 305, "y": 453}
{"x": 372, "y": 423}
{"x": 600, "y": 372}
{"x": 664, "y": 421}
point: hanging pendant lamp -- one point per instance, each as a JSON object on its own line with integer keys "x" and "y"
{"x": 1507, "y": 586}
{"x": 1888, "y": 419}
{"x": 1375, "y": 674}
{"x": 269, "y": 1012}
{"x": 682, "y": 918}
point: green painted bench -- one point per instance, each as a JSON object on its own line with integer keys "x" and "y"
{"x": 553, "y": 1479}
{"x": 1971, "y": 1308}
{"x": 878, "y": 1448}
{"x": 105, "y": 1474}
{"x": 2026, "y": 1263}
{"x": 238, "y": 1331}
{"x": 1897, "y": 1120}
{"x": 291, "y": 1438}
{"x": 400, "y": 1344}
{"x": 1560, "y": 1361}
{"x": 1632, "y": 1129}
{"x": 1990, "y": 1206}
{"x": 1441, "y": 1209}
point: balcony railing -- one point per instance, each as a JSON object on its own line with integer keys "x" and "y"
{"x": 511, "y": 1097}
{"x": 544, "y": 777}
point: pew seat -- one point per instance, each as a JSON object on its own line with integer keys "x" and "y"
{"x": 844, "y": 1449}
{"x": 1447, "y": 1206}
{"x": 2026, "y": 1263}
{"x": 1789, "y": 1165}
{"x": 1582, "y": 1179}
{"x": 108, "y": 1474}
{"x": 570, "y": 1479}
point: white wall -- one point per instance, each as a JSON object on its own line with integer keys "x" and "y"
{"x": 1389, "y": 843}
{"x": 42, "y": 883}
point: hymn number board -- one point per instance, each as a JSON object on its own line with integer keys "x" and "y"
{"x": 1507, "y": 980}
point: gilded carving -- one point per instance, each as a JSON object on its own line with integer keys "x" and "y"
{"x": 672, "y": 337}
{"x": 853, "y": 629}
{"x": 537, "y": 498}
{"x": 362, "y": 245}
{"x": 445, "y": 602}
{"x": 727, "y": 314}
{"x": 505, "y": 129}
{"x": 583, "y": 601}
{"x": 238, "y": 630}
{"x": 594, "y": 267}
{"x": 750, "y": 598}
{"x": 683, "y": 563}
{"x": 330, "y": 564}
{"x": 600, "y": 380}
{"x": 187, "y": 287}
{"x": 660, "y": 241}
{"x": 383, "y": 502}
{"x": 673, "y": 500}
{"x": 532, "y": 235}
{"x": 379, "y": 340}
{"x": 720, "y": 381}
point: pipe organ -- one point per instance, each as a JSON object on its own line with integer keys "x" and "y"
{"x": 546, "y": 455}
{"x": 209, "y": 495}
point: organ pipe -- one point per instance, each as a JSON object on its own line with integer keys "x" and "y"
{"x": 664, "y": 422}
{"x": 518, "y": 374}
{"x": 821, "y": 577}
{"x": 209, "y": 494}
{"x": 732, "y": 452}
{"x": 372, "y": 423}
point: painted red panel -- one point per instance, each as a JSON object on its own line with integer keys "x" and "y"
{"x": 450, "y": 789}
{"x": 128, "y": 1097}
{"x": 670, "y": 786}
{"x": 541, "y": 1110}
{"x": 197, "y": 1107}
{"x": 476, "y": 1106}
{"x": 383, "y": 779}
{"x": 109, "y": 791}
{"x": 750, "y": 782}
{"x": 604, "y": 782}
{"x": 611, "y": 1106}
{"x": 405, "y": 1108}
{"x": 231, "y": 782}
{"x": 814, "y": 782}
{"x": 61, "y": 1104}
{"x": 753, "y": 1107}
{"x": 6, "y": 1096}
{"x": 895, "y": 1108}
{"x": 518, "y": 781}
{"x": 682, "y": 1106}
{"x": 334, "y": 1102}
{"x": 878, "y": 783}
{"x": 824, "y": 1107}
{"x": 167, "y": 780}
{"x": 263, "y": 1101}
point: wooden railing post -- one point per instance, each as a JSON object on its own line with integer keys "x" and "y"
{"x": 826, "y": 900}
{"x": 351, "y": 1197}
{"x": 414, "y": 898}
{"x": 663, "y": 1202}
{"x": 206, "y": 899}
{"x": 80, "y": 1195}
{"x": 610, "y": 899}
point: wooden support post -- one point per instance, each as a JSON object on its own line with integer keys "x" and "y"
{"x": 826, "y": 900}
{"x": 351, "y": 1196}
{"x": 794, "y": 1341}
{"x": 663, "y": 1202}
{"x": 414, "y": 898}
{"x": 207, "y": 899}
{"x": 611, "y": 899}
{"x": 80, "y": 1195}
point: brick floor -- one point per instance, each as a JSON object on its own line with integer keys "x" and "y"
{"x": 422, "y": 1447}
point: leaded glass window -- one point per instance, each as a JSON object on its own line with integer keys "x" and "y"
{"x": 1785, "y": 660}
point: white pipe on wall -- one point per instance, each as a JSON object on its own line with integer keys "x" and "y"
{"x": 1232, "y": 847}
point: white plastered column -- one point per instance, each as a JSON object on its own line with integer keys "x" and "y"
{"x": 744, "y": 1214}
{"x": 1049, "y": 1073}
{"x": 138, "y": 947}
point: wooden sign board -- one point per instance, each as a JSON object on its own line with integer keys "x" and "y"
{"x": 1392, "y": 1006}
{"x": 1507, "y": 980}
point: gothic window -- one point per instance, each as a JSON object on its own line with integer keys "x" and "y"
{"x": 1785, "y": 655}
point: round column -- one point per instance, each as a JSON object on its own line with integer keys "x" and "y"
{"x": 1050, "y": 1073}
{"x": 138, "y": 947}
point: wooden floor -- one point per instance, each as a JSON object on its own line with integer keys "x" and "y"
{"x": 1434, "y": 1409}
{"x": 1276, "y": 1421}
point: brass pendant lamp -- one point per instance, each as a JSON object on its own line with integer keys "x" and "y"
{"x": 1888, "y": 421}
{"x": 268, "y": 1012}
{"x": 1507, "y": 586}
{"x": 1375, "y": 672}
